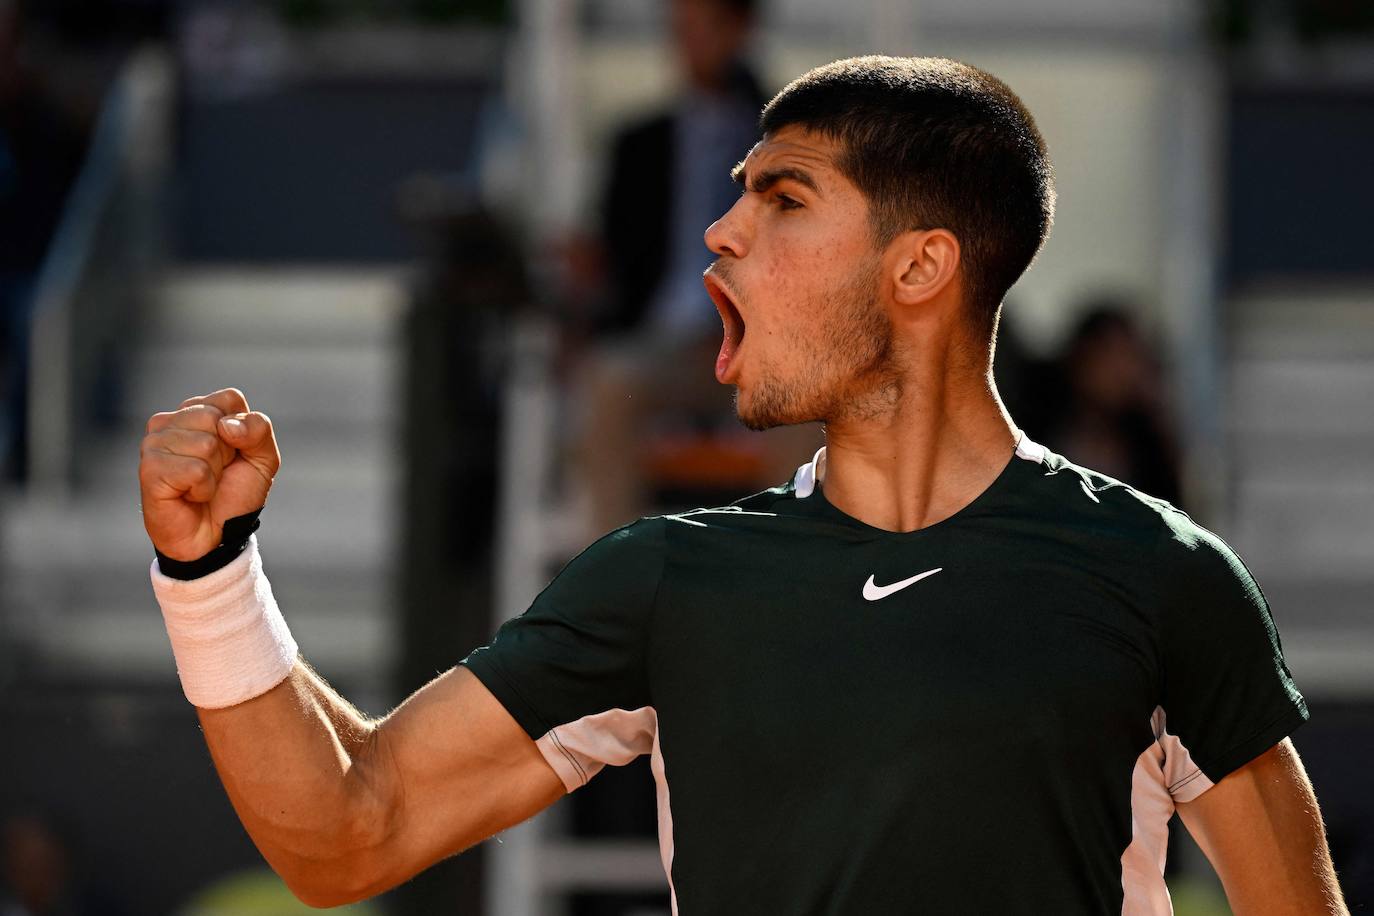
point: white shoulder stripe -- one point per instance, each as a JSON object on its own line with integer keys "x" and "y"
{"x": 722, "y": 510}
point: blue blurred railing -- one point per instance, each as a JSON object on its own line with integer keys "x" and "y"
{"x": 105, "y": 251}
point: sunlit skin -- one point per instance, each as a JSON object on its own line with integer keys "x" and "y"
{"x": 872, "y": 341}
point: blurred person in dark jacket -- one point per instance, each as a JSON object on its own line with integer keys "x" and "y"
{"x": 1111, "y": 414}
{"x": 658, "y": 329}
{"x": 669, "y": 177}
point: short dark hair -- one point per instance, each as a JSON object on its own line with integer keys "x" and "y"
{"x": 934, "y": 143}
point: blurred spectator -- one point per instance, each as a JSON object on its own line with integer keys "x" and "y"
{"x": 35, "y": 868}
{"x": 40, "y": 156}
{"x": 1110, "y": 415}
{"x": 37, "y": 874}
{"x": 658, "y": 330}
{"x": 1027, "y": 383}
{"x": 669, "y": 177}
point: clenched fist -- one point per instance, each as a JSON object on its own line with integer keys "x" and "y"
{"x": 206, "y": 462}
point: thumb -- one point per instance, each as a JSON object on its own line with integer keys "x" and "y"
{"x": 252, "y": 436}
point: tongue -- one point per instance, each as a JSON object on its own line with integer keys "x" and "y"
{"x": 723, "y": 358}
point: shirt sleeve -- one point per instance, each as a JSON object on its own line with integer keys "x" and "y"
{"x": 1228, "y": 695}
{"x": 580, "y": 648}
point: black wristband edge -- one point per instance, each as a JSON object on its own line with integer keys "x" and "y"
{"x": 233, "y": 540}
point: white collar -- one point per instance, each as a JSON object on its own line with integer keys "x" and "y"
{"x": 813, "y": 472}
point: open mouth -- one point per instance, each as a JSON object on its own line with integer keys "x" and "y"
{"x": 733, "y": 323}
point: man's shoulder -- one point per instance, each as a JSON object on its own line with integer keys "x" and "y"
{"x": 758, "y": 511}
{"x": 651, "y": 533}
{"x": 638, "y": 539}
{"x": 1176, "y": 542}
{"x": 635, "y": 554}
{"x": 772, "y": 498}
{"x": 750, "y": 511}
{"x": 1098, "y": 498}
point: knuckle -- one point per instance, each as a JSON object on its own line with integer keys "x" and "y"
{"x": 152, "y": 467}
{"x": 198, "y": 416}
{"x": 234, "y": 397}
{"x": 202, "y": 444}
{"x": 150, "y": 449}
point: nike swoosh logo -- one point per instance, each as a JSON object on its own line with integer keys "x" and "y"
{"x": 875, "y": 592}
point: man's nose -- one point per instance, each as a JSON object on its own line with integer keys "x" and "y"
{"x": 726, "y": 236}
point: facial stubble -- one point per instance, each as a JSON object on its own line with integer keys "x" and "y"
{"x": 845, "y": 366}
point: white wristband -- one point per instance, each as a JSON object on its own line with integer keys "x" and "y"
{"x": 228, "y": 635}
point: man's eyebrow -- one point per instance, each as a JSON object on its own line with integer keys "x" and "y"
{"x": 764, "y": 180}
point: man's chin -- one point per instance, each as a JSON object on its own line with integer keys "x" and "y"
{"x": 745, "y": 413}
{"x": 763, "y": 416}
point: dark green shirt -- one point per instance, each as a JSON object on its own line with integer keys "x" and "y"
{"x": 993, "y": 714}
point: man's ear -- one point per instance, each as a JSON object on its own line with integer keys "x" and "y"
{"x": 921, "y": 264}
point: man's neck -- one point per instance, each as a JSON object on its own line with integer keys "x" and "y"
{"x": 943, "y": 443}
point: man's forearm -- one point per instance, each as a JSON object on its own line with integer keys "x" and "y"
{"x": 342, "y": 807}
{"x": 295, "y": 763}
{"x": 1262, "y": 830}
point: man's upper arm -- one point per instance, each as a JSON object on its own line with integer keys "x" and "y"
{"x": 1227, "y": 693}
{"x": 461, "y": 759}
{"x": 1261, "y": 829}
{"x": 1230, "y": 702}
{"x": 454, "y": 768}
{"x": 573, "y": 670}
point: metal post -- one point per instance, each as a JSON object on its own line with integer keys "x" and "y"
{"x": 1191, "y": 124}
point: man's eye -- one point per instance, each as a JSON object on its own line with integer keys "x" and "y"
{"x": 787, "y": 203}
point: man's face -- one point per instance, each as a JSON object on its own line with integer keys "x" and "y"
{"x": 797, "y": 285}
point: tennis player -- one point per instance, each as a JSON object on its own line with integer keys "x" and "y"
{"x": 942, "y": 670}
